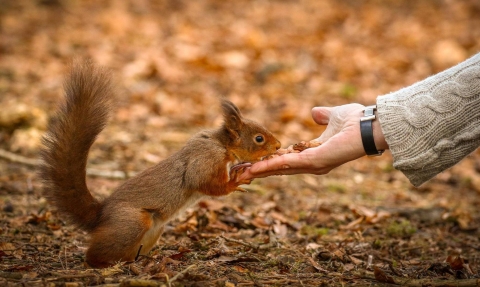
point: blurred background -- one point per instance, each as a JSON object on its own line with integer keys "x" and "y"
{"x": 172, "y": 60}
{"x": 275, "y": 59}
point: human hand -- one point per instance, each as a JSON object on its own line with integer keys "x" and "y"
{"x": 341, "y": 143}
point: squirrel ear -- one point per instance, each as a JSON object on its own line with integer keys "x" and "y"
{"x": 232, "y": 118}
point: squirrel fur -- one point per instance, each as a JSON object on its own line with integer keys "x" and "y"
{"x": 131, "y": 219}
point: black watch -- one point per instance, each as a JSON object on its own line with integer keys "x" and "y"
{"x": 366, "y": 131}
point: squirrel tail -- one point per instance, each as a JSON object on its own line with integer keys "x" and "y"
{"x": 83, "y": 115}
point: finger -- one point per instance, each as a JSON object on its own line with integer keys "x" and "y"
{"x": 268, "y": 165}
{"x": 279, "y": 172}
{"x": 321, "y": 115}
{"x": 288, "y": 161}
{"x": 246, "y": 175}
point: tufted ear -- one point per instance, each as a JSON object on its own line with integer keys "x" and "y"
{"x": 232, "y": 118}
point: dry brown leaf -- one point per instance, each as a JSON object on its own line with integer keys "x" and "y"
{"x": 381, "y": 276}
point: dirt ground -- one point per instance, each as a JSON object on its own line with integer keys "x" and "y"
{"x": 362, "y": 224}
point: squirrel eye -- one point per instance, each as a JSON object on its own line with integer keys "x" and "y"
{"x": 259, "y": 139}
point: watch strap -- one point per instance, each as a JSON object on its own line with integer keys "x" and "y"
{"x": 366, "y": 131}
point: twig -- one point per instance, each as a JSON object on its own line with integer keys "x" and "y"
{"x": 268, "y": 282}
{"x": 389, "y": 261}
{"x": 139, "y": 283}
{"x": 255, "y": 281}
{"x": 112, "y": 174}
{"x": 138, "y": 253}
{"x": 272, "y": 242}
{"x": 425, "y": 281}
{"x": 247, "y": 244}
{"x": 180, "y": 273}
{"x": 71, "y": 276}
{"x": 60, "y": 259}
{"x": 317, "y": 266}
{"x": 307, "y": 275}
{"x": 369, "y": 261}
{"x": 18, "y": 158}
{"x": 436, "y": 282}
{"x": 411, "y": 248}
{"x": 168, "y": 280}
{"x": 66, "y": 259}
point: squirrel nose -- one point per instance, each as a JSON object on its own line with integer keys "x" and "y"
{"x": 278, "y": 145}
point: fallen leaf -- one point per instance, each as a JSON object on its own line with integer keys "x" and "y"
{"x": 381, "y": 276}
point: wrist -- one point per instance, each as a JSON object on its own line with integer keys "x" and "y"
{"x": 371, "y": 133}
{"x": 378, "y": 135}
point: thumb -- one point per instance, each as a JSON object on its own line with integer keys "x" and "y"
{"x": 321, "y": 115}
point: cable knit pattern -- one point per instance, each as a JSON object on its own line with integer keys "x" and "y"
{"x": 433, "y": 124}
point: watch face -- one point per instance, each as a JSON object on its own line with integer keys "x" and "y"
{"x": 369, "y": 113}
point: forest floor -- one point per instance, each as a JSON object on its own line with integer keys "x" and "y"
{"x": 362, "y": 224}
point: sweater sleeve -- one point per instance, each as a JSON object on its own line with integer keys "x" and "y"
{"x": 433, "y": 124}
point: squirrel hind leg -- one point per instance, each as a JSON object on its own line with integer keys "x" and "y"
{"x": 122, "y": 240}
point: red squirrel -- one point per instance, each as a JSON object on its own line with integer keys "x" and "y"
{"x": 130, "y": 221}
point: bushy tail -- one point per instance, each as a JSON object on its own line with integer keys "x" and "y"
{"x": 83, "y": 115}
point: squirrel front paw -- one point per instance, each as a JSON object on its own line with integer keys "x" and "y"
{"x": 235, "y": 172}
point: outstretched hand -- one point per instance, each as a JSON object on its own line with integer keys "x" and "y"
{"x": 341, "y": 143}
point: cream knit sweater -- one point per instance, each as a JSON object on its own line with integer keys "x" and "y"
{"x": 433, "y": 124}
